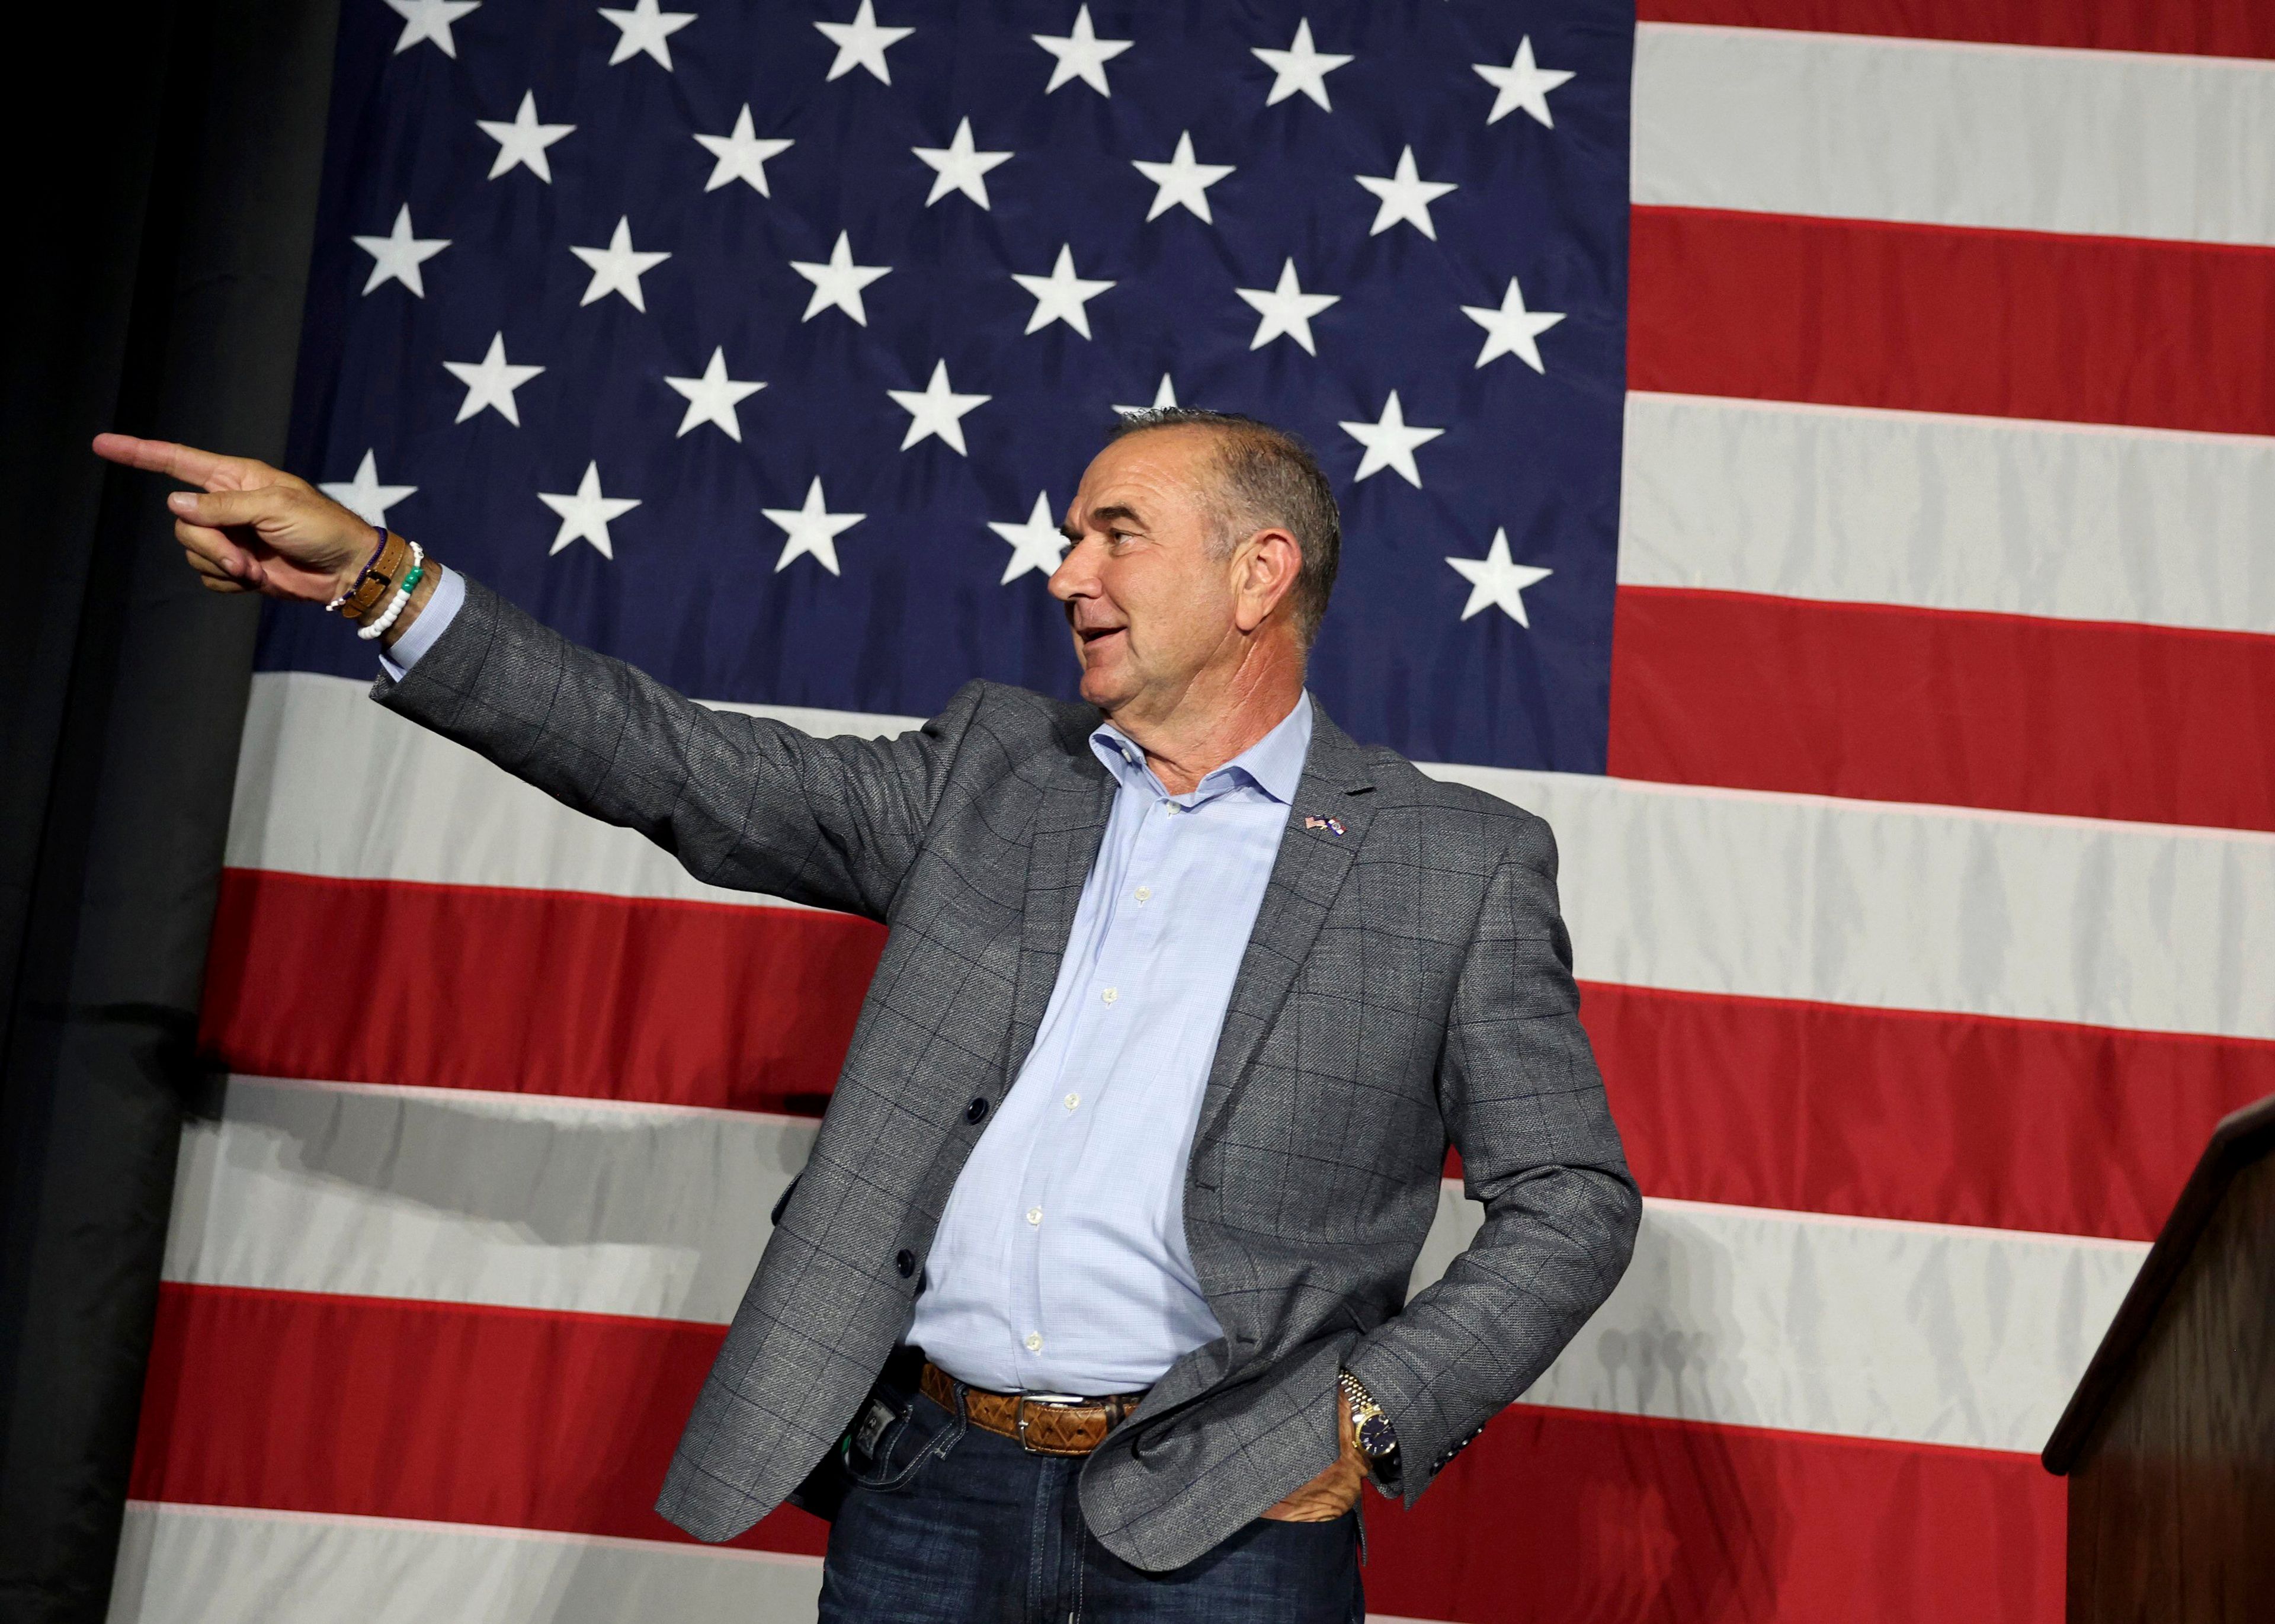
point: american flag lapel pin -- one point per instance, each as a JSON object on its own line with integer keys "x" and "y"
{"x": 1333, "y": 826}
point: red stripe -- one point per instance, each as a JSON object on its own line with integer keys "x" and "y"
{"x": 1554, "y": 1515}
{"x": 534, "y": 992}
{"x": 2021, "y": 324}
{"x": 385, "y": 1408}
{"x": 2189, "y": 28}
{"x": 449, "y": 1413}
{"x": 1892, "y": 1114}
{"x": 1757, "y": 1102}
{"x": 2090, "y": 719}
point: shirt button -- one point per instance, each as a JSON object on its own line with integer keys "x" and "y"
{"x": 1034, "y": 1341}
{"x": 1144, "y": 894}
{"x": 1111, "y": 993}
{"x": 1034, "y": 1215}
{"x": 1073, "y": 1101}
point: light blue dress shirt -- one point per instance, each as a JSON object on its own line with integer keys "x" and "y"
{"x": 1060, "y": 1264}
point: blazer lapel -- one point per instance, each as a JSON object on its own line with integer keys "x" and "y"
{"x": 1306, "y": 877}
{"x": 1076, "y": 797}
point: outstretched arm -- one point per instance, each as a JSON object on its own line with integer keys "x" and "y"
{"x": 741, "y": 801}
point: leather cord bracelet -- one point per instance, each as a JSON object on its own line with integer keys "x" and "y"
{"x": 377, "y": 582}
{"x": 378, "y": 546}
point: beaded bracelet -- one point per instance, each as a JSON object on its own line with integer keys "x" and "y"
{"x": 356, "y": 586}
{"x": 402, "y": 596}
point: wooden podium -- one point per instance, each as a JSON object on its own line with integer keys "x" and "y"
{"x": 2169, "y": 1441}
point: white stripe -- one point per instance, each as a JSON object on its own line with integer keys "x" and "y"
{"x": 1913, "y": 1332}
{"x": 1926, "y": 908}
{"x": 518, "y": 1200}
{"x": 199, "y": 1564}
{"x": 1984, "y": 514}
{"x": 1945, "y": 133}
{"x": 1919, "y": 1333}
{"x": 1696, "y": 890}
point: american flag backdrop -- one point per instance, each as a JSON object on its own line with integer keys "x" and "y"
{"x": 1819, "y": 454}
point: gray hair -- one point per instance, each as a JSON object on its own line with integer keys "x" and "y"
{"x": 1267, "y": 478}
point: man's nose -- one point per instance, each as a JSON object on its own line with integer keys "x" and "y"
{"x": 1075, "y": 577}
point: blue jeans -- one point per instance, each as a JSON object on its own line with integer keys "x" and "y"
{"x": 946, "y": 1523}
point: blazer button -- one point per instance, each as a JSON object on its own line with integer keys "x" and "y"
{"x": 977, "y": 1109}
{"x": 905, "y": 1261}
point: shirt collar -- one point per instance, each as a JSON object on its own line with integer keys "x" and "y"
{"x": 1274, "y": 764}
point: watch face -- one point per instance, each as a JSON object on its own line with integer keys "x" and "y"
{"x": 1374, "y": 1435}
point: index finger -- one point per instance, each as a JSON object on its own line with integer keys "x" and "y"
{"x": 185, "y": 463}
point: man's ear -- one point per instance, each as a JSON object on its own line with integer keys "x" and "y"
{"x": 1268, "y": 562}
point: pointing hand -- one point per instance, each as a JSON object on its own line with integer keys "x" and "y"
{"x": 253, "y": 528}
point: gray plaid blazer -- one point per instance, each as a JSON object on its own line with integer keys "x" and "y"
{"x": 1408, "y": 980}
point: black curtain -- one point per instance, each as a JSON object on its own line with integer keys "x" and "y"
{"x": 163, "y": 176}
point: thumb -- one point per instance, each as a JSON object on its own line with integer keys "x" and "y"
{"x": 220, "y": 508}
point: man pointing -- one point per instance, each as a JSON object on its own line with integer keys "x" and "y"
{"x": 1091, "y": 1300}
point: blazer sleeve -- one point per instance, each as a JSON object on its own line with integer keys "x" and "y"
{"x": 741, "y": 801}
{"x": 1523, "y": 1103}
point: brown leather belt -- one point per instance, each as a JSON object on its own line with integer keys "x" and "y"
{"x": 1044, "y": 1424}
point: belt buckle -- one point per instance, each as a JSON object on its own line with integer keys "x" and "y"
{"x": 1019, "y": 1403}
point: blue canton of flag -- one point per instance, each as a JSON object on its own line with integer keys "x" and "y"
{"x": 763, "y": 345}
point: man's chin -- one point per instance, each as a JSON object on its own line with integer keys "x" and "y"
{"x": 1104, "y": 687}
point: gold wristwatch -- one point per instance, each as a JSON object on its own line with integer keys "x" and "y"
{"x": 1371, "y": 1429}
